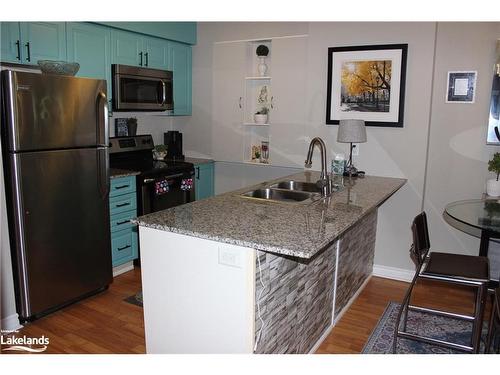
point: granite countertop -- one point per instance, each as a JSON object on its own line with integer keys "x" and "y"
{"x": 294, "y": 229}
{"x": 197, "y": 161}
{"x": 116, "y": 173}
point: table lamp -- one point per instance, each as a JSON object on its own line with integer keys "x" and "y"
{"x": 351, "y": 131}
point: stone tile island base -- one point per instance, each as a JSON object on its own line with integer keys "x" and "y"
{"x": 203, "y": 296}
{"x": 297, "y": 304}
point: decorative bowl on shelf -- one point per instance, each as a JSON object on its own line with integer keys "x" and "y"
{"x": 59, "y": 67}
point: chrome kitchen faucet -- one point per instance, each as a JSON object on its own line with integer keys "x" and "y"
{"x": 324, "y": 181}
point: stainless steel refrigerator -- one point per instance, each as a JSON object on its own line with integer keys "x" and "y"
{"x": 55, "y": 155}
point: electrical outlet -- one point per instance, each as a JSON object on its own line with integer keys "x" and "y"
{"x": 355, "y": 149}
{"x": 230, "y": 257}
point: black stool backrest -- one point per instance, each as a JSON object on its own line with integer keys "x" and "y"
{"x": 421, "y": 243}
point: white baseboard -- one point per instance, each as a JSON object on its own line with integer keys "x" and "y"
{"x": 393, "y": 273}
{"x": 122, "y": 268}
{"x": 321, "y": 339}
{"x": 11, "y": 323}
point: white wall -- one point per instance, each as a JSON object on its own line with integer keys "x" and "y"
{"x": 458, "y": 154}
{"x": 392, "y": 152}
{"x": 147, "y": 123}
{"x": 389, "y": 151}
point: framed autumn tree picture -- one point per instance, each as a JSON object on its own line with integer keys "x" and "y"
{"x": 367, "y": 83}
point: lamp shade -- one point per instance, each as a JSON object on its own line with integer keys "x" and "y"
{"x": 351, "y": 131}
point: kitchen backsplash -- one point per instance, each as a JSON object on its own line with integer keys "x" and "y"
{"x": 147, "y": 123}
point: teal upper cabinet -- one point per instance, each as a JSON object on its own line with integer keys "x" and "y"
{"x": 28, "y": 42}
{"x": 126, "y": 48}
{"x": 156, "y": 53}
{"x": 137, "y": 50}
{"x": 184, "y": 32}
{"x": 42, "y": 41}
{"x": 10, "y": 43}
{"x": 180, "y": 62}
{"x": 90, "y": 46}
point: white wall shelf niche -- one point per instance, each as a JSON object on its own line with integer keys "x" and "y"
{"x": 257, "y": 96}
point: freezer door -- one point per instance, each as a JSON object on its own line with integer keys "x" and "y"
{"x": 60, "y": 219}
{"x": 46, "y": 112}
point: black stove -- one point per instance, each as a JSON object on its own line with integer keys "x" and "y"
{"x": 161, "y": 184}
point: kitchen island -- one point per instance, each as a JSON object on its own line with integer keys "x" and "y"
{"x": 232, "y": 274}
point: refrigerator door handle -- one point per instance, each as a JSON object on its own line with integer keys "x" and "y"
{"x": 102, "y": 120}
{"x": 103, "y": 172}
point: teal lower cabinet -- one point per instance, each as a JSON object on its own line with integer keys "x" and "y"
{"x": 123, "y": 208}
{"x": 204, "y": 180}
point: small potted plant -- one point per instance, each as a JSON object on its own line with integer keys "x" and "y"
{"x": 493, "y": 185}
{"x": 262, "y": 52}
{"x": 159, "y": 152}
{"x": 261, "y": 116}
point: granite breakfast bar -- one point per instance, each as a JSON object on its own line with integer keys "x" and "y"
{"x": 231, "y": 274}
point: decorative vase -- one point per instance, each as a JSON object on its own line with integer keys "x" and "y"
{"x": 493, "y": 187}
{"x": 262, "y": 66}
{"x": 260, "y": 119}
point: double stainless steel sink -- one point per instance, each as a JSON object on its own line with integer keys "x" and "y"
{"x": 288, "y": 191}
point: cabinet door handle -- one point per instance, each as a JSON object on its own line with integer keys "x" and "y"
{"x": 147, "y": 58}
{"x": 140, "y": 54}
{"x": 197, "y": 173}
{"x": 18, "y": 44}
{"x": 29, "y": 53}
{"x": 121, "y": 187}
{"x": 123, "y": 248}
{"x": 239, "y": 102}
{"x": 272, "y": 102}
{"x": 122, "y": 204}
{"x": 122, "y": 222}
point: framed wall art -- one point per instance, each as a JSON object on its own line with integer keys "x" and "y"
{"x": 367, "y": 83}
{"x": 461, "y": 87}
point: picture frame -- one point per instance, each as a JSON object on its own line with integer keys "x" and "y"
{"x": 367, "y": 83}
{"x": 461, "y": 87}
{"x": 121, "y": 127}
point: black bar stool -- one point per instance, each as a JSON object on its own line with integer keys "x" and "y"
{"x": 455, "y": 269}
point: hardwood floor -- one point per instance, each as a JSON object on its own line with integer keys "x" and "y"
{"x": 107, "y": 324}
{"x": 355, "y": 326}
{"x": 103, "y": 323}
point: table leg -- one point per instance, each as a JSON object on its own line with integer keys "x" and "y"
{"x": 484, "y": 244}
{"x": 483, "y": 251}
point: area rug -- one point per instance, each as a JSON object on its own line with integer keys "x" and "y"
{"x": 439, "y": 327}
{"x": 136, "y": 299}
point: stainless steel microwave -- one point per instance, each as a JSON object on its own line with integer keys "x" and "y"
{"x": 141, "y": 89}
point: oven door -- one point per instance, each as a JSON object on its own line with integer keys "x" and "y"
{"x": 138, "y": 93}
{"x": 166, "y": 191}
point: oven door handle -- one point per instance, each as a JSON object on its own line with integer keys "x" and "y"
{"x": 151, "y": 180}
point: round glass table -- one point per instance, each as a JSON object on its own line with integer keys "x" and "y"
{"x": 483, "y": 215}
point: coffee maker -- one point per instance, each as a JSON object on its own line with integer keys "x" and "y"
{"x": 173, "y": 141}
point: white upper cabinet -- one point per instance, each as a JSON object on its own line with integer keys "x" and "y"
{"x": 229, "y": 63}
{"x": 288, "y": 115}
